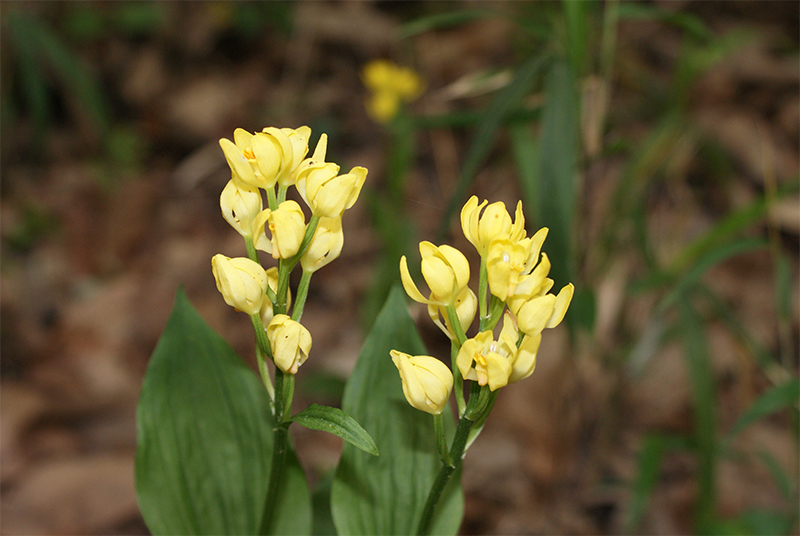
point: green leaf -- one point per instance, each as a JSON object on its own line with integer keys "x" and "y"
{"x": 777, "y": 398}
{"x": 386, "y": 494}
{"x": 204, "y": 438}
{"x": 337, "y": 422}
{"x": 558, "y": 160}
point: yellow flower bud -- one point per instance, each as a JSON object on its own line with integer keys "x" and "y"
{"x": 240, "y": 204}
{"x": 287, "y": 227}
{"x": 325, "y": 192}
{"x": 290, "y": 342}
{"x": 427, "y": 382}
{"x": 495, "y": 223}
{"x": 444, "y": 268}
{"x": 242, "y": 282}
{"x": 325, "y": 246}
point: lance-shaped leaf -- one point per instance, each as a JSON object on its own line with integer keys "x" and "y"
{"x": 386, "y": 494}
{"x": 337, "y": 422}
{"x": 204, "y": 439}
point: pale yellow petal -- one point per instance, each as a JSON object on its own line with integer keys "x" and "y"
{"x": 562, "y": 303}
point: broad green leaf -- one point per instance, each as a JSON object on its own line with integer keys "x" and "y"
{"x": 557, "y": 178}
{"x": 386, "y": 494}
{"x": 337, "y": 422}
{"x": 778, "y": 397}
{"x": 204, "y": 438}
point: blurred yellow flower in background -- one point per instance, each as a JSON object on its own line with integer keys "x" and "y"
{"x": 389, "y": 85}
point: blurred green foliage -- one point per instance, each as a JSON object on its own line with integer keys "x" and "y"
{"x": 563, "y": 46}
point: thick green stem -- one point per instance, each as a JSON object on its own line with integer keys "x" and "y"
{"x": 441, "y": 440}
{"x": 446, "y": 471}
{"x": 457, "y": 451}
{"x": 455, "y": 324}
{"x": 282, "y": 193}
{"x": 280, "y": 433}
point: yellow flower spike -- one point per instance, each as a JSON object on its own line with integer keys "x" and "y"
{"x": 466, "y": 306}
{"x": 290, "y": 342}
{"x": 486, "y": 360}
{"x": 286, "y": 225}
{"x": 560, "y": 307}
{"x": 266, "y": 307}
{"x": 240, "y": 204}
{"x": 325, "y": 246}
{"x": 427, "y": 382}
{"x": 494, "y": 223}
{"x": 242, "y": 282}
{"x": 525, "y": 361}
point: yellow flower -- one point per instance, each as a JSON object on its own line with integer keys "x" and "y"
{"x": 525, "y": 360}
{"x": 510, "y": 264}
{"x": 427, "y": 382}
{"x": 286, "y": 226}
{"x": 240, "y": 203}
{"x": 444, "y": 268}
{"x": 487, "y": 360}
{"x": 495, "y": 223}
{"x": 544, "y": 311}
{"x": 266, "y": 307}
{"x": 290, "y": 343}
{"x": 327, "y": 193}
{"x": 466, "y": 306}
{"x": 266, "y": 157}
{"x": 389, "y": 86}
{"x": 242, "y": 282}
{"x": 325, "y": 246}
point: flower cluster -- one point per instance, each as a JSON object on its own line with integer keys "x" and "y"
{"x": 272, "y": 161}
{"x": 513, "y": 272}
{"x": 389, "y": 86}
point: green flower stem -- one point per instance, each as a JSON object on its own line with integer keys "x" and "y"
{"x": 480, "y": 421}
{"x": 302, "y": 294}
{"x": 495, "y": 312}
{"x": 441, "y": 441}
{"x": 446, "y": 471}
{"x": 262, "y": 349}
{"x": 252, "y": 254}
{"x": 458, "y": 380}
{"x": 457, "y": 451}
{"x": 455, "y": 324}
{"x": 282, "y": 193}
{"x": 474, "y": 412}
{"x": 284, "y": 269}
{"x": 311, "y": 228}
{"x": 280, "y": 433}
{"x": 273, "y": 203}
{"x": 483, "y": 285}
